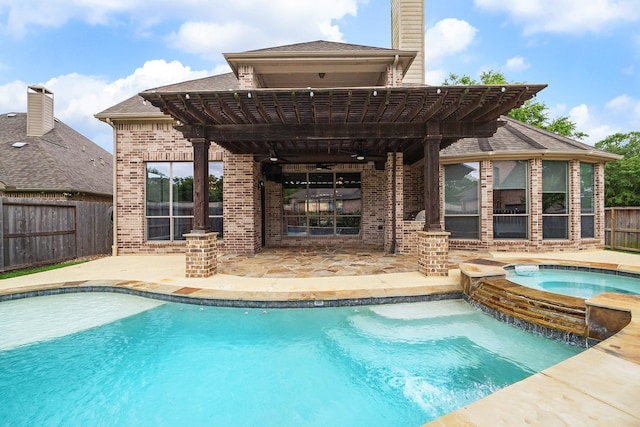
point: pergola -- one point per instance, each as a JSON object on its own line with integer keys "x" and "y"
{"x": 330, "y": 124}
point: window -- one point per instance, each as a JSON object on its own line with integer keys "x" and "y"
{"x": 587, "y": 209}
{"x": 322, "y": 204}
{"x": 169, "y": 199}
{"x": 555, "y": 211}
{"x": 510, "y": 203}
{"x": 461, "y": 200}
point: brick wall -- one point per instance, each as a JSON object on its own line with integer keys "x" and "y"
{"x": 240, "y": 204}
{"x": 141, "y": 142}
{"x": 246, "y": 77}
{"x": 136, "y": 144}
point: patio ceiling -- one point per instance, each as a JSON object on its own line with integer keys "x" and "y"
{"x": 330, "y": 124}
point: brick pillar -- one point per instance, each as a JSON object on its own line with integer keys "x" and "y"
{"x": 535, "y": 204}
{"x": 246, "y": 77}
{"x": 202, "y": 254}
{"x": 575, "y": 205}
{"x": 433, "y": 253}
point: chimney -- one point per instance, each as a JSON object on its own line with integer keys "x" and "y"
{"x": 39, "y": 110}
{"x": 407, "y": 33}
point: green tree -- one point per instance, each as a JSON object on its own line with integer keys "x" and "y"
{"x": 532, "y": 112}
{"x": 621, "y": 178}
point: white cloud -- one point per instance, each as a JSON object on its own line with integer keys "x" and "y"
{"x": 243, "y": 22}
{"x": 517, "y": 63}
{"x": 78, "y": 97}
{"x": 565, "y": 16}
{"x": 620, "y": 114}
{"x": 448, "y": 37}
{"x": 435, "y": 77}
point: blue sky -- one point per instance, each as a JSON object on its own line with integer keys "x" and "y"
{"x": 93, "y": 54}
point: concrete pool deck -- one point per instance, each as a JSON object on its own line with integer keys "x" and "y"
{"x": 600, "y": 386}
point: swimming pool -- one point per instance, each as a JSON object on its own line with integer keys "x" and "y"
{"x": 176, "y": 364}
{"x": 575, "y": 282}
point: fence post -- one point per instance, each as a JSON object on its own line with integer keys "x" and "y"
{"x": 613, "y": 228}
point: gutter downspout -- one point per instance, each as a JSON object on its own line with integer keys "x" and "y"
{"x": 393, "y": 74}
{"x": 114, "y": 212}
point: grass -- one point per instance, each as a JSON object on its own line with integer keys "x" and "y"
{"x": 27, "y": 271}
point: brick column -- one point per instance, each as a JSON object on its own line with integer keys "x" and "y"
{"x": 202, "y": 254}
{"x": 575, "y": 206}
{"x": 433, "y": 253}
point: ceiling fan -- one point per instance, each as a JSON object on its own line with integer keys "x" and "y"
{"x": 361, "y": 154}
{"x": 324, "y": 166}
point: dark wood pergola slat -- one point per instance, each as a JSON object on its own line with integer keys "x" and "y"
{"x": 229, "y": 115}
{"x": 306, "y": 123}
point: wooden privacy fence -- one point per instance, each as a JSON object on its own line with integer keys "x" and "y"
{"x": 622, "y": 228}
{"x": 36, "y": 232}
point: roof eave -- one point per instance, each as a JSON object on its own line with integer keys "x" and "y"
{"x": 589, "y": 156}
{"x": 107, "y": 117}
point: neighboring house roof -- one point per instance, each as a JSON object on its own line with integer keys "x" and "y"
{"x": 516, "y": 139}
{"x": 62, "y": 160}
{"x": 136, "y": 107}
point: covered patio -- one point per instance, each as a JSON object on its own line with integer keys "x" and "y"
{"x": 390, "y": 126}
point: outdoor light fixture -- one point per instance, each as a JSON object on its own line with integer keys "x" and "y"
{"x": 504, "y": 89}
{"x": 375, "y": 92}
{"x": 360, "y": 156}
{"x": 439, "y": 91}
{"x": 273, "y": 156}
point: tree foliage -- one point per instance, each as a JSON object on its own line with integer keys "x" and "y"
{"x": 532, "y": 112}
{"x": 622, "y": 177}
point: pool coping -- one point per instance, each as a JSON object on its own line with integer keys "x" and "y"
{"x": 241, "y": 299}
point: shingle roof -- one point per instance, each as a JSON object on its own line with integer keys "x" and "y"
{"x": 320, "y": 46}
{"x": 60, "y": 160}
{"x": 516, "y": 136}
{"x": 136, "y": 106}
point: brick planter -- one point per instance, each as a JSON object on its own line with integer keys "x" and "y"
{"x": 433, "y": 253}
{"x": 202, "y": 254}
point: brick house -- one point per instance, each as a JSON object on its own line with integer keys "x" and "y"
{"x": 327, "y": 143}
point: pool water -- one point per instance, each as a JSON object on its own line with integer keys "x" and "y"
{"x": 174, "y": 364}
{"x": 576, "y": 283}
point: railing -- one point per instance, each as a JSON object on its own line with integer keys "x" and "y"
{"x": 622, "y": 228}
